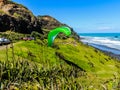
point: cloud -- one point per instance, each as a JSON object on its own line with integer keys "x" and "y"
{"x": 104, "y": 28}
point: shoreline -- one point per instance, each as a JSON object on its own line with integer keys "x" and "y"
{"x": 105, "y": 51}
{"x": 111, "y": 54}
{"x": 105, "y": 48}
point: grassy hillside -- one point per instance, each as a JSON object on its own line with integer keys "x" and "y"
{"x": 67, "y": 65}
{"x": 32, "y": 65}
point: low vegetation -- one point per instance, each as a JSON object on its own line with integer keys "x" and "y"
{"x": 32, "y": 65}
{"x": 67, "y": 65}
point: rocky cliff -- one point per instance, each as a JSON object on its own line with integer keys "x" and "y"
{"x": 18, "y": 18}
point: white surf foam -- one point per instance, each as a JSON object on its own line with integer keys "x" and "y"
{"x": 106, "y": 41}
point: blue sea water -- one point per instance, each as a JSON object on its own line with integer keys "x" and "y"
{"x": 105, "y": 41}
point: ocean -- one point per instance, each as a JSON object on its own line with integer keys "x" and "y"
{"x": 104, "y": 41}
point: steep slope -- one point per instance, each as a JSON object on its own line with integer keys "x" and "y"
{"x": 18, "y": 18}
{"x": 48, "y": 23}
{"x": 76, "y": 54}
{"x": 69, "y": 65}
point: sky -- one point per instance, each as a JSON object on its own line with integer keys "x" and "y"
{"x": 85, "y": 16}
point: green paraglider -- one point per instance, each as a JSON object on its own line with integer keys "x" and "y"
{"x": 53, "y": 33}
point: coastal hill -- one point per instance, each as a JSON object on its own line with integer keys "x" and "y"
{"x": 67, "y": 65}
{"x": 18, "y": 18}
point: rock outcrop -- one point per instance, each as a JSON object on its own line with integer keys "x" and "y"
{"x": 18, "y": 18}
{"x": 48, "y": 23}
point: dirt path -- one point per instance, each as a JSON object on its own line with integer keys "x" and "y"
{"x": 5, "y": 46}
{"x": 8, "y": 46}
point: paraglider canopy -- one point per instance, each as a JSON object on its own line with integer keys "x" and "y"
{"x": 53, "y": 33}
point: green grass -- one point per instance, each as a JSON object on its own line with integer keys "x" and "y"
{"x": 67, "y": 65}
{"x": 89, "y": 59}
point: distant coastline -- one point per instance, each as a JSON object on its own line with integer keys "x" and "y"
{"x": 109, "y": 43}
{"x": 113, "y": 55}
